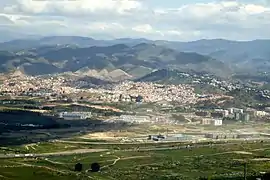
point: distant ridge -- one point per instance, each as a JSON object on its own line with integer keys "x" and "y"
{"x": 120, "y": 60}
{"x": 135, "y": 57}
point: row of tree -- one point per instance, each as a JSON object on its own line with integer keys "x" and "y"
{"x": 95, "y": 167}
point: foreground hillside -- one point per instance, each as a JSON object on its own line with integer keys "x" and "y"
{"x": 217, "y": 162}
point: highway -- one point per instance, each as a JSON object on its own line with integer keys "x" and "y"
{"x": 163, "y": 141}
{"x": 63, "y": 153}
{"x": 118, "y": 143}
{"x": 181, "y": 147}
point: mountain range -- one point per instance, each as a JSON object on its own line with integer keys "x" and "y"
{"x": 116, "y": 61}
{"x": 128, "y": 58}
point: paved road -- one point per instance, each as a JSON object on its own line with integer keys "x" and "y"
{"x": 162, "y": 142}
{"x": 178, "y": 147}
{"x": 196, "y": 145}
{"x": 63, "y": 153}
{"x": 118, "y": 143}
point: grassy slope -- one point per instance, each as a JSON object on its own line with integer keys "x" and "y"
{"x": 170, "y": 164}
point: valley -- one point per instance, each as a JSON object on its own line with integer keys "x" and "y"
{"x": 141, "y": 110}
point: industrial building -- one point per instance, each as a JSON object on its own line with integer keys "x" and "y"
{"x": 135, "y": 119}
{"x": 241, "y": 116}
{"x": 246, "y": 117}
{"x": 231, "y": 135}
{"x": 235, "y": 110}
{"x": 171, "y": 137}
{"x": 223, "y": 111}
{"x": 217, "y": 122}
{"x": 74, "y": 115}
{"x": 206, "y": 121}
{"x": 179, "y": 137}
{"x": 260, "y": 113}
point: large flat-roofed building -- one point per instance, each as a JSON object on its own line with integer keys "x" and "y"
{"x": 217, "y": 122}
{"x": 235, "y": 110}
{"x": 171, "y": 137}
{"x": 74, "y": 115}
{"x": 223, "y": 111}
{"x": 260, "y": 113}
{"x": 135, "y": 119}
{"x": 217, "y": 135}
{"x": 220, "y": 135}
{"x": 206, "y": 121}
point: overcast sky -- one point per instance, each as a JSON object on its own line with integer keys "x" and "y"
{"x": 182, "y": 20}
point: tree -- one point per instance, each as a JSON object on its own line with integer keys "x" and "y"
{"x": 95, "y": 167}
{"x": 266, "y": 176}
{"x": 78, "y": 167}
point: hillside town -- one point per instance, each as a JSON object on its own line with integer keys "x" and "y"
{"x": 61, "y": 88}
{"x": 56, "y": 87}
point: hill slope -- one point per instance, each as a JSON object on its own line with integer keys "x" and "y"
{"x": 118, "y": 59}
{"x": 166, "y": 76}
{"x": 243, "y": 56}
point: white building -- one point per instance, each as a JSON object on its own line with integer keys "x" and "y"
{"x": 260, "y": 113}
{"x": 223, "y": 111}
{"x": 74, "y": 115}
{"x": 206, "y": 121}
{"x": 217, "y": 122}
{"x": 226, "y": 113}
{"x": 135, "y": 119}
{"x": 235, "y": 110}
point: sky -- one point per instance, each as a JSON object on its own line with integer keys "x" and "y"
{"x": 181, "y": 20}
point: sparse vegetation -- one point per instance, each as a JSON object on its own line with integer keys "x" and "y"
{"x": 217, "y": 162}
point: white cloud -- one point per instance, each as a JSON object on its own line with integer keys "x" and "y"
{"x": 120, "y": 18}
{"x": 255, "y": 9}
{"x": 144, "y": 28}
{"x": 173, "y": 32}
{"x": 4, "y": 20}
{"x": 104, "y": 26}
{"x": 72, "y": 7}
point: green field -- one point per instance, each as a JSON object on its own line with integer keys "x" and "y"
{"x": 191, "y": 163}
